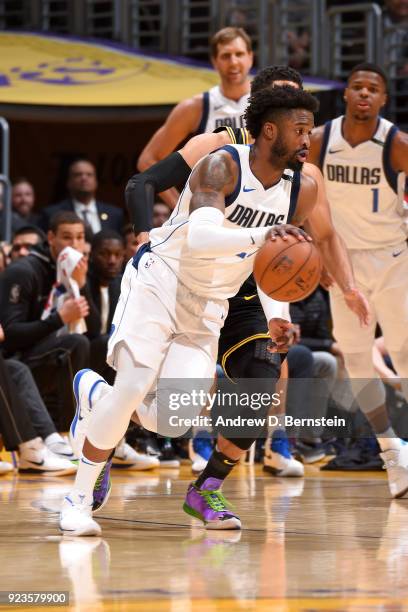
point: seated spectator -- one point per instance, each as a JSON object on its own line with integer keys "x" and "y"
{"x": 132, "y": 242}
{"x": 25, "y": 423}
{"x": 26, "y": 388}
{"x": 313, "y": 358}
{"x": 397, "y": 11}
{"x": 3, "y": 259}
{"x": 105, "y": 276}
{"x": 161, "y": 212}
{"x": 22, "y": 203}
{"x": 24, "y": 239}
{"x": 25, "y": 287}
{"x": 82, "y": 186}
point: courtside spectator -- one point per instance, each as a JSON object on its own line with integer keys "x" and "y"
{"x": 22, "y": 202}
{"x": 25, "y": 287}
{"x": 82, "y": 186}
{"x": 161, "y": 212}
{"x": 24, "y": 239}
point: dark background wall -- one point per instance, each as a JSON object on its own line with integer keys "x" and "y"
{"x": 41, "y": 151}
{"x": 42, "y": 148}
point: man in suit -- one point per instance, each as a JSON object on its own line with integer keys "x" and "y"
{"x": 105, "y": 275}
{"x": 82, "y": 185}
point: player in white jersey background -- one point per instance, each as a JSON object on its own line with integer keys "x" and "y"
{"x": 224, "y": 104}
{"x": 364, "y": 159}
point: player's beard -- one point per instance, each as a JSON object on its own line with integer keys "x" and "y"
{"x": 281, "y": 157}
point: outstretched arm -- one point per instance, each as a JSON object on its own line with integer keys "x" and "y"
{"x": 333, "y": 250}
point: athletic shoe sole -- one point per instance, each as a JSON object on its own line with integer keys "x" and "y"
{"x": 82, "y": 532}
{"x": 232, "y": 523}
{"x": 281, "y": 473}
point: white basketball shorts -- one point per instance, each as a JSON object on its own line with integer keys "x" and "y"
{"x": 382, "y": 275}
{"x": 164, "y": 325}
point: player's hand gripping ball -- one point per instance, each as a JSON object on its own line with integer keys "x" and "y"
{"x": 288, "y": 266}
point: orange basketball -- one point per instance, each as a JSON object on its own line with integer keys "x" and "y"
{"x": 287, "y": 270}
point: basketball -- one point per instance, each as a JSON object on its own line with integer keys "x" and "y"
{"x": 287, "y": 270}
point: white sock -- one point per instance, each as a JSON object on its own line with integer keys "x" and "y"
{"x": 54, "y": 437}
{"x": 388, "y": 440}
{"x": 87, "y": 475}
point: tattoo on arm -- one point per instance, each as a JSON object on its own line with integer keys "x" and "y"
{"x": 210, "y": 182}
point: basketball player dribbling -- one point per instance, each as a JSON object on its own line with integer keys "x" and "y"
{"x": 173, "y": 299}
{"x": 172, "y": 303}
{"x": 364, "y": 159}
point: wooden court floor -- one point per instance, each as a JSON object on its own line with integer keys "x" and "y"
{"x": 320, "y": 543}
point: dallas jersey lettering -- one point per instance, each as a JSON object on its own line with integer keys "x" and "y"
{"x": 219, "y": 111}
{"x": 362, "y": 188}
{"x": 250, "y": 205}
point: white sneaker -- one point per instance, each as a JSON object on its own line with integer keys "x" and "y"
{"x": 278, "y": 465}
{"x": 396, "y": 464}
{"x": 76, "y": 517}
{"x": 278, "y": 459}
{"x": 126, "y": 457}
{"x": 36, "y": 458}
{"x": 84, "y": 385}
{"x": 5, "y": 467}
{"x": 198, "y": 462}
{"x": 61, "y": 448}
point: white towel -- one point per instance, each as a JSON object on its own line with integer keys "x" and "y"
{"x": 65, "y": 287}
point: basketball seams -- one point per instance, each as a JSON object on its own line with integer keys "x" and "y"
{"x": 289, "y": 280}
{"x": 270, "y": 263}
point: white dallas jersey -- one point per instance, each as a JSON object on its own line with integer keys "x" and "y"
{"x": 219, "y": 110}
{"x": 249, "y": 206}
{"x": 364, "y": 193}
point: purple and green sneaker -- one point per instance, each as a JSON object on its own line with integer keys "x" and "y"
{"x": 208, "y": 504}
{"x": 102, "y": 488}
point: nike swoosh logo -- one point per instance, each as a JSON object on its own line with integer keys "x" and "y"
{"x": 249, "y": 297}
{"x": 246, "y": 189}
{"x": 38, "y": 462}
{"x": 229, "y": 462}
{"x": 336, "y": 151}
{"x": 396, "y": 254}
{"x": 218, "y": 107}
